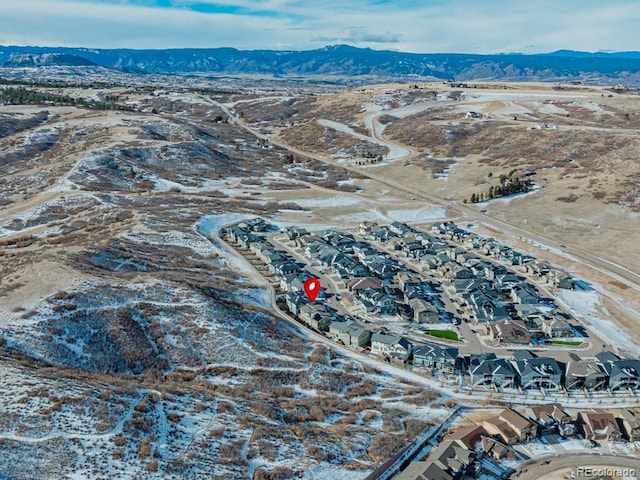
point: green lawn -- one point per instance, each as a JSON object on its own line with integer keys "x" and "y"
{"x": 566, "y": 342}
{"x": 448, "y": 334}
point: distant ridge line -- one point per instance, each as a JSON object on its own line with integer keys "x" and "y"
{"x": 349, "y": 61}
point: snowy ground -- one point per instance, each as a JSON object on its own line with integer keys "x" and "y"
{"x": 395, "y": 151}
{"x": 509, "y": 198}
{"x": 588, "y": 305}
{"x": 209, "y": 227}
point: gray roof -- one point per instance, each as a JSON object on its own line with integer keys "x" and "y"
{"x": 437, "y": 351}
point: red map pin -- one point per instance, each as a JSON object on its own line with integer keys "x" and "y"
{"x": 312, "y": 288}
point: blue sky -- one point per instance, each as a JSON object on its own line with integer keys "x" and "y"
{"x": 473, "y": 26}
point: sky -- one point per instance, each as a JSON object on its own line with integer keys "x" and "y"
{"x": 465, "y": 26}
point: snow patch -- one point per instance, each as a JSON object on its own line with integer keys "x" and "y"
{"x": 588, "y": 304}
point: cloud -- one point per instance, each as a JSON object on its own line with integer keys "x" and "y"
{"x": 359, "y": 35}
{"x": 417, "y": 26}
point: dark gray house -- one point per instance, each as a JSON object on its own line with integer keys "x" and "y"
{"x": 436, "y": 357}
{"x": 621, "y": 373}
{"x": 538, "y": 372}
{"x": 486, "y": 370}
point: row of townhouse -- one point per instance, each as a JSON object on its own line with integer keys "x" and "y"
{"x": 346, "y": 256}
{"x": 490, "y": 247}
{"x": 528, "y": 371}
{"x": 481, "y": 448}
{"x": 512, "y": 308}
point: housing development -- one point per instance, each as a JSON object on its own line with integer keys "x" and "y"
{"x": 465, "y": 310}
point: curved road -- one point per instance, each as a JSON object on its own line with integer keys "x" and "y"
{"x": 463, "y": 395}
{"x": 541, "y": 466}
{"x": 615, "y": 270}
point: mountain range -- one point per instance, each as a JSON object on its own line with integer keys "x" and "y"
{"x": 342, "y": 60}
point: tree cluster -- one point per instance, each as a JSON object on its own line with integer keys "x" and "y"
{"x": 369, "y": 158}
{"x": 508, "y": 186}
{"x": 25, "y": 96}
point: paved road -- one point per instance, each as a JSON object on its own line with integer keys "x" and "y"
{"x": 464, "y": 396}
{"x": 541, "y": 466}
{"x": 616, "y": 271}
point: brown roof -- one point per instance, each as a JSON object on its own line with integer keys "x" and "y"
{"x": 468, "y": 436}
{"x": 502, "y": 428}
{"x": 490, "y": 445}
{"x": 362, "y": 283}
{"x": 601, "y": 423}
{"x": 514, "y": 419}
{"x": 548, "y": 410}
{"x": 510, "y": 329}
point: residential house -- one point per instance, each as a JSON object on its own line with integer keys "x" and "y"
{"x": 447, "y": 461}
{"x": 584, "y": 374}
{"x": 282, "y": 268}
{"x": 622, "y": 373}
{"x": 510, "y": 427}
{"x": 551, "y": 418}
{"x": 538, "y": 372}
{"x": 524, "y": 294}
{"x": 293, "y": 282}
{"x": 256, "y": 224}
{"x": 496, "y": 449}
{"x": 556, "y": 327}
{"x": 246, "y": 238}
{"x": 436, "y": 357}
{"x": 599, "y": 425}
{"x": 342, "y": 241}
{"x": 506, "y": 282}
{"x": 377, "y": 301}
{"x": 560, "y": 279}
{"x": 629, "y": 422}
{"x": 350, "y": 333}
{"x": 424, "y": 311}
{"x": 366, "y": 227}
{"x": 316, "y": 316}
{"x": 468, "y": 436}
{"x": 295, "y": 232}
{"x": 424, "y": 470}
{"x": 363, "y": 283}
{"x": 485, "y": 305}
{"x": 400, "y": 228}
{"x": 384, "y": 268}
{"x": 532, "y": 310}
{"x": 486, "y": 370}
{"x": 268, "y": 255}
{"x": 456, "y": 271}
{"x": 509, "y": 331}
{"x": 231, "y": 233}
{"x": 295, "y": 301}
{"x": 256, "y": 247}
{"x": 467, "y": 285}
{"x": 538, "y": 268}
{"x": 565, "y": 281}
{"x": 395, "y": 348}
{"x": 406, "y": 279}
{"x": 383, "y": 234}
{"x": 413, "y": 292}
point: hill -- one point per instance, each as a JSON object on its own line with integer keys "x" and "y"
{"x": 344, "y": 60}
{"x": 48, "y": 60}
